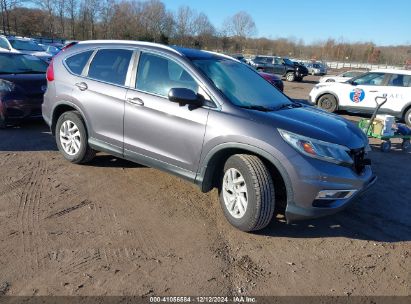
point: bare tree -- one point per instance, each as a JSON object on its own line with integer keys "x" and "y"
{"x": 60, "y": 7}
{"x": 71, "y": 8}
{"x": 240, "y": 25}
{"x": 185, "y": 24}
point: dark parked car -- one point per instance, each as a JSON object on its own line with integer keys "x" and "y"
{"x": 280, "y": 66}
{"x": 22, "y": 85}
{"x": 274, "y": 80}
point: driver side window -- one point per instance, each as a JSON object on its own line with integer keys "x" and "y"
{"x": 375, "y": 79}
{"x": 157, "y": 75}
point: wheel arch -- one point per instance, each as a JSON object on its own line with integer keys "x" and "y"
{"x": 325, "y": 93}
{"x": 211, "y": 169}
{"x": 61, "y": 108}
{"x": 405, "y": 110}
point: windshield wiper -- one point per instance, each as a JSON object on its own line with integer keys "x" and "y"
{"x": 257, "y": 108}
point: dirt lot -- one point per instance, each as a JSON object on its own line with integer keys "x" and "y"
{"x": 116, "y": 228}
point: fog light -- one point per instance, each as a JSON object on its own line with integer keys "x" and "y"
{"x": 334, "y": 194}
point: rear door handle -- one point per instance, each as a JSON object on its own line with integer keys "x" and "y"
{"x": 135, "y": 101}
{"x": 374, "y": 91}
{"x": 82, "y": 86}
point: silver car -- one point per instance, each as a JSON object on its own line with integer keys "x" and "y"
{"x": 316, "y": 68}
{"x": 207, "y": 118}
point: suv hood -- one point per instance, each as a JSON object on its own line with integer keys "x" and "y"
{"x": 318, "y": 124}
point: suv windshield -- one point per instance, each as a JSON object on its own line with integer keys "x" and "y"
{"x": 26, "y": 45}
{"x": 241, "y": 85}
{"x": 21, "y": 64}
{"x": 288, "y": 61}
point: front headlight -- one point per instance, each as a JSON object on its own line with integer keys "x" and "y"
{"x": 315, "y": 148}
{"x": 6, "y": 86}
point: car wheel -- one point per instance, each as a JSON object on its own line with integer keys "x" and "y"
{"x": 406, "y": 145}
{"x": 330, "y": 80}
{"x": 407, "y": 117}
{"x": 385, "y": 146}
{"x": 328, "y": 103}
{"x": 290, "y": 76}
{"x": 72, "y": 139}
{"x": 247, "y": 193}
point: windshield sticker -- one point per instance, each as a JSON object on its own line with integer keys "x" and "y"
{"x": 357, "y": 95}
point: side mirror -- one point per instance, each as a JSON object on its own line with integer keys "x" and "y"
{"x": 184, "y": 96}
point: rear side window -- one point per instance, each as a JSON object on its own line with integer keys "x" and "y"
{"x": 110, "y": 65}
{"x": 77, "y": 62}
{"x": 398, "y": 80}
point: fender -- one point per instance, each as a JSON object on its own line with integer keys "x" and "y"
{"x": 328, "y": 92}
{"x": 66, "y": 103}
{"x": 205, "y": 175}
{"x": 405, "y": 108}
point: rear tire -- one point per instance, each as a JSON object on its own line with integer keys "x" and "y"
{"x": 328, "y": 103}
{"x": 247, "y": 193}
{"x": 72, "y": 138}
{"x": 290, "y": 76}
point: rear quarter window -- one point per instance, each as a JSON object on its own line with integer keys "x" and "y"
{"x": 110, "y": 65}
{"x": 77, "y": 62}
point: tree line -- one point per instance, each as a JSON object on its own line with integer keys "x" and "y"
{"x": 150, "y": 20}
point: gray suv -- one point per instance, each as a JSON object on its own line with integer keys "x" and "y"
{"x": 207, "y": 118}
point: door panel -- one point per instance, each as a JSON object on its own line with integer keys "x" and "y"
{"x": 102, "y": 95}
{"x": 164, "y": 130}
{"x": 156, "y": 130}
{"x": 103, "y": 106}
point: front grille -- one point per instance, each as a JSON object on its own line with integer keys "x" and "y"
{"x": 358, "y": 156}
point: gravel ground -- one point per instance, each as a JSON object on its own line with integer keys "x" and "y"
{"x": 116, "y": 228}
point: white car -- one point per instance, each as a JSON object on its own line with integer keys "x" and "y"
{"x": 342, "y": 77}
{"x": 358, "y": 94}
{"x": 25, "y": 46}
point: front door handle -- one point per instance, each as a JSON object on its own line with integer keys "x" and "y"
{"x": 82, "y": 86}
{"x": 375, "y": 91}
{"x": 135, "y": 101}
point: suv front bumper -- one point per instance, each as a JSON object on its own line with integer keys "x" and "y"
{"x": 308, "y": 177}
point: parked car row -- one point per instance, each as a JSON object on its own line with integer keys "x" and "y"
{"x": 29, "y": 46}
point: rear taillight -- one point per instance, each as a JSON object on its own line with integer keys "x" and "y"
{"x": 50, "y": 72}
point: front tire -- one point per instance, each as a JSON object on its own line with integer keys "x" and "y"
{"x": 72, "y": 138}
{"x": 290, "y": 76}
{"x": 328, "y": 103}
{"x": 247, "y": 193}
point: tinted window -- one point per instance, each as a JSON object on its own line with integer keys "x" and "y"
{"x": 18, "y": 64}
{"x": 4, "y": 44}
{"x": 370, "y": 79}
{"x": 77, "y": 62}
{"x": 398, "y": 80}
{"x": 158, "y": 75}
{"x": 110, "y": 66}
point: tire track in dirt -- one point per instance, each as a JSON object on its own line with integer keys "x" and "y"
{"x": 28, "y": 215}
